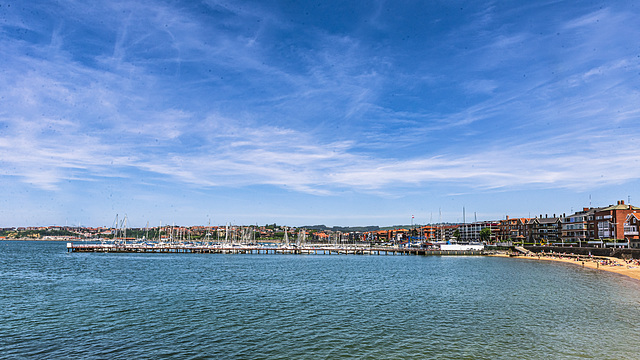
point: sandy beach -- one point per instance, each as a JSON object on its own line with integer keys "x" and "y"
{"x": 629, "y": 268}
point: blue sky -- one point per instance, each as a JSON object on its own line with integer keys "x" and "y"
{"x": 301, "y": 113}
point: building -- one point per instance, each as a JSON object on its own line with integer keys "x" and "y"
{"x": 445, "y": 232}
{"x": 427, "y": 232}
{"x": 545, "y": 230}
{"x": 609, "y": 222}
{"x": 471, "y": 232}
{"x": 631, "y": 230}
{"x": 513, "y": 230}
{"x": 578, "y": 228}
{"x": 392, "y": 235}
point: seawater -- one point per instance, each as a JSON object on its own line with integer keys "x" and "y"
{"x": 55, "y": 304}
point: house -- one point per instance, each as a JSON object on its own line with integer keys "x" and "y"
{"x": 321, "y": 237}
{"x": 631, "y": 230}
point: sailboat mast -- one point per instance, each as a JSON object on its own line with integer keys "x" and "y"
{"x": 441, "y": 225}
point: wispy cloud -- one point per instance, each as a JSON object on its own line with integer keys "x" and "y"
{"x": 588, "y": 19}
{"x": 229, "y": 94}
{"x": 240, "y": 154}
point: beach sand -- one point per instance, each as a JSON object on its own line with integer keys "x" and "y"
{"x": 615, "y": 265}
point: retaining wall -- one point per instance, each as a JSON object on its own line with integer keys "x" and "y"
{"x": 612, "y": 252}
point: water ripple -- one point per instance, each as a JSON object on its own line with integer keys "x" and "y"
{"x": 120, "y": 306}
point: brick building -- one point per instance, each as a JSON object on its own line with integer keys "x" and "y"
{"x": 514, "y": 230}
{"x": 608, "y": 223}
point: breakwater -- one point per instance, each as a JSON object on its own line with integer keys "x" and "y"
{"x": 249, "y": 249}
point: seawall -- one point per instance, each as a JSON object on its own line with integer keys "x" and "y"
{"x": 621, "y": 253}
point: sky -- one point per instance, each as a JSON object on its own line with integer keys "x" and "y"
{"x": 344, "y": 113}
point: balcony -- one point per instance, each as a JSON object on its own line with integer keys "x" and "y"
{"x": 630, "y": 230}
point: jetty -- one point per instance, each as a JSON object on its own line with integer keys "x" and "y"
{"x": 320, "y": 249}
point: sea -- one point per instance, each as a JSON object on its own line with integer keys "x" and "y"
{"x": 60, "y": 305}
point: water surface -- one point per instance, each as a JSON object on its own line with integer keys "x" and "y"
{"x": 55, "y": 304}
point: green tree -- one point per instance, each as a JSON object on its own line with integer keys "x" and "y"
{"x": 456, "y": 234}
{"x": 485, "y": 234}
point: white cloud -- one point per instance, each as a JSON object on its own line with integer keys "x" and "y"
{"x": 74, "y": 119}
{"x": 589, "y": 19}
{"x": 609, "y": 69}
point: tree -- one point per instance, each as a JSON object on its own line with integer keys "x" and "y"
{"x": 456, "y": 234}
{"x": 485, "y": 234}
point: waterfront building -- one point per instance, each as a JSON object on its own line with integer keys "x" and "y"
{"x": 545, "y": 230}
{"x": 578, "y": 228}
{"x": 445, "y": 232}
{"x": 391, "y": 235}
{"x": 512, "y": 230}
{"x": 471, "y": 232}
{"x": 322, "y": 237}
{"x": 427, "y": 232}
{"x": 609, "y": 224}
{"x": 631, "y": 230}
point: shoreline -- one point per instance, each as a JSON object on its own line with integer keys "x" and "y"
{"x": 629, "y": 268}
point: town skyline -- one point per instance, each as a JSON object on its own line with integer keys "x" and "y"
{"x": 612, "y": 226}
{"x": 344, "y": 114}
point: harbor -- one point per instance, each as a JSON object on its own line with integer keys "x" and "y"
{"x": 320, "y": 249}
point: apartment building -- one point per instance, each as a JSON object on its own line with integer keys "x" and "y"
{"x": 578, "y": 228}
{"x": 514, "y": 230}
{"x": 445, "y": 232}
{"x": 545, "y": 230}
{"x": 608, "y": 223}
{"x": 471, "y": 232}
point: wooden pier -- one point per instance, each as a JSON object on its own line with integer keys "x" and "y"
{"x": 256, "y": 249}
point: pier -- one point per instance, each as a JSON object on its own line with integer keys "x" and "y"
{"x": 262, "y": 249}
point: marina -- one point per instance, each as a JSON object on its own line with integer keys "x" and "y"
{"x": 322, "y": 249}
